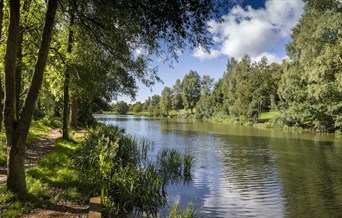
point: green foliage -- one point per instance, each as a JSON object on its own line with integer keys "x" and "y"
{"x": 306, "y": 90}
{"x": 121, "y": 107}
{"x": 165, "y": 101}
{"x": 154, "y": 106}
{"x": 311, "y": 84}
{"x": 187, "y": 213}
{"x": 117, "y": 166}
{"x": 137, "y": 107}
{"x": 205, "y": 107}
{"x": 177, "y": 100}
{"x": 266, "y": 116}
{"x": 191, "y": 90}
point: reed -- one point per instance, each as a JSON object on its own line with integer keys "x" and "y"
{"x": 118, "y": 167}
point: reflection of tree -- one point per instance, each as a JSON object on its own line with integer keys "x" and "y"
{"x": 181, "y": 127}
{"x": 249, "y": 164}
{"x": 310, "y": 172}
{"x": 311, "y": 176}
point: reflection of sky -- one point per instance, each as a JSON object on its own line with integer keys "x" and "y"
{"x": 223, "y": 185}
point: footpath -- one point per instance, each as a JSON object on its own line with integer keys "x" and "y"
{"x": 37, "y": 151}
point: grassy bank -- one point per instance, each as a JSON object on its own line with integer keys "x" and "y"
{"x": 53, "y": 179}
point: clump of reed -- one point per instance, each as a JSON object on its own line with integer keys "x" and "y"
{"x": 118, "y": 167}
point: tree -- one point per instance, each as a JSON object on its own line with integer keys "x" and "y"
{"x": 165, "y": 101}
{"x": 1, "y": 90}
{"x": 147, "y": 25}
{"x": 146, "y": 104}
{"x": 207, "y": 84}
{"x": 263, "y": 82}
{"x": 176, "y": 100}
{"x": 121, "y": 107}
{"x": 137, "y": 107}
{"x": 67, "y": 83}
{"x": 191, "y": 89}
{"x": 154, "y": 106}
{"x": 218, "y": 95}
{"x": 315, "y": 70}
{"x": 17, "y": 127}
{"x": 205, "y": 107}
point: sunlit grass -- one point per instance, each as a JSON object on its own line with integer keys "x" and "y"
{"x": 37, "y": 130}
{"x": 52, "y": 179}
{"x": 189, "y": 212}
{"x": 266, "y": 116}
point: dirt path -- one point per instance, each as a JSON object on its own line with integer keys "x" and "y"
{"x": 62, "y": 209}
{"x": 37, "y": 151}
{"x": 65, "y": 210}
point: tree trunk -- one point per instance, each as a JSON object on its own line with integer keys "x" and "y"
{"x": 26, "y": 8}
{"x": 18, "y": 70}
{"x": 1, "y": 91}
{"x": 16, "y": 131}
{"x": 67, "y": 83}
{"x": 74, "y": 111}
{"x": 16, "y": 173}
{"x": 66, "y": 105}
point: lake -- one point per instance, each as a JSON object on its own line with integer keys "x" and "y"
{"x": 248, "y": 172}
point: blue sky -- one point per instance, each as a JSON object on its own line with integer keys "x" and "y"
{"x": 254, "y": 27}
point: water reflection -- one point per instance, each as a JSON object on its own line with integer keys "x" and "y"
{"x": 242, "y": 172}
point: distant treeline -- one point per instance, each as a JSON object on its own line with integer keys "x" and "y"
{"x": 306, "y": 89}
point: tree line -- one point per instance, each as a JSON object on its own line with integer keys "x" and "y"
{"x": 306, "y": 89}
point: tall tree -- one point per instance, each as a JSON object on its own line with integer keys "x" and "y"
{"x": 165, "y": 101}
{"x": 315, "y": 70}
{"x": 121, "y": 107}
{"x": 191, "y": 89}
{"x": 67, "y": 79}
{"x": 177, "y": 101}
{"x": 154, "y": 105}
{"x": 205, "y": 107}
{"x": 1, "y": 91}
{"x": 17, "y": 127}
{"x": 121, "y": 27}
{"x": 207, "y": 84}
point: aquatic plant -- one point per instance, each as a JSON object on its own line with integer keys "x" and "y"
{"x": 118, "y": 167}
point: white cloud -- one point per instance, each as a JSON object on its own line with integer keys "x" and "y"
{"x": 202, "y": 54}
{"x": 271, "y": 57}
{"x": 255, "y": 32}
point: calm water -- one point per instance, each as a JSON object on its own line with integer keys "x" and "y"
{"x": 247, "y": 172}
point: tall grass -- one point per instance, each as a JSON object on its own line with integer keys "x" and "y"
{"x": 117, "y": 166}
{"x": 187, "y": 213}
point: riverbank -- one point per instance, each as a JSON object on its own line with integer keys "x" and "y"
{"x": 266, "y": 120}
{"x": 71, "y": 171}
{"x": 52, "y": 181}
